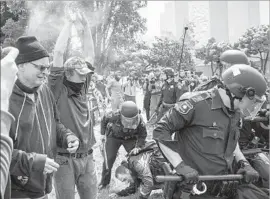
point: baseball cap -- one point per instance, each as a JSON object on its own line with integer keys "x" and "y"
{"x": 78, "y": 64}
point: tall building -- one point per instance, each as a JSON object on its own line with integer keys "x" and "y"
{"x": 218, "y": 15}
{"x": 174, "y": 18}
{"x": 241, "y": 16}
{"x": 226, "y": 21}
{"x": 181, "y": 17}
{"x": 167, "y": 21}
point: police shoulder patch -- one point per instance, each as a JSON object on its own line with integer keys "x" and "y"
{"x": 184, "y": 106}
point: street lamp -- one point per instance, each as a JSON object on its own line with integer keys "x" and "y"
{"x": 185, "y": 31}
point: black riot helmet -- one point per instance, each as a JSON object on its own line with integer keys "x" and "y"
{"x": 129, "y": 115}
{"x": 243, "y": 80}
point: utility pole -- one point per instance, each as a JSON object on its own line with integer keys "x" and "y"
{"x": 179, "y": 66}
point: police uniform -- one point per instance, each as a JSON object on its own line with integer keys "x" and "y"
{"x": 116, "y": 136}
{"x": 207, "y": 132}
{"x": 168, "y": 98}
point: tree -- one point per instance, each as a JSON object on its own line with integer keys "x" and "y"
{"x": 119, "y": 26}
{"x": 14, "y": 18}
{"x": 43, "y": 19}
{"x": 256, "y": 43}
{"x": 166, "y": 52}
{"x": 211, "y": 52}
{"x": 115, "y": 24}
{"x": 134, "y": 58}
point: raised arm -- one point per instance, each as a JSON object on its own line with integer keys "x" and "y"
{"x": 61, "y": 45}
{"x": 87, "y": 40}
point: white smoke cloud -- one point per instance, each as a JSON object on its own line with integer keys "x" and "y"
{"x": 45, "y": 25}
{"x": 41, "y": 24}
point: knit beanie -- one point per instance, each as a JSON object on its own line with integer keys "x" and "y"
{"x": 29, "y": 50}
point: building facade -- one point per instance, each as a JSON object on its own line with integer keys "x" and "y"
{"x": 223, "y": 20}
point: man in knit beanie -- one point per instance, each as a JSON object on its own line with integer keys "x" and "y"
{"x": 37, "y": 129}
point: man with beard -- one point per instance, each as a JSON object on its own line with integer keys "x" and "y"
{"x": 207, "y": 126}
{"x": 37, "y": 130}
{"x": 69, "y": 83}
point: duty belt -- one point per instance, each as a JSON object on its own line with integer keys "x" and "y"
{"x": 125, "y": 137}
{"x": 76, "y": 155}
{"x": 167, "y": 105}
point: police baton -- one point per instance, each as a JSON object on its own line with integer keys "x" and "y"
{"x": 201, "y": 178}
{"x": 195, "y": 189}
{"x": 257, "y": 119}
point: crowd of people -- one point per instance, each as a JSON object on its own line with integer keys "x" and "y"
{"x": 117, "y": 88}
{"x": 202, "y": 125}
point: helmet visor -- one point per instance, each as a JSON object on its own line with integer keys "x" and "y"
{"x": 130, "y": 123}
{"x": 255, "y": 107}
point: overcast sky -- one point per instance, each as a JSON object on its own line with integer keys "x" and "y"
{"x": 154, "y": 8}
{"x": 152, "y": 14}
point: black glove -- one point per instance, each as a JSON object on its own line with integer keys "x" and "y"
{"x": 250, "y": 175}
{"x": 190, "y": 175}
{"x": 262, "y": 112}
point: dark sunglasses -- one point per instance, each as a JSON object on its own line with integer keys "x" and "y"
{"x": 41, "y": 67}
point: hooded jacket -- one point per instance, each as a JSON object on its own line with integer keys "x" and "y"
{"x": 36, "y": 132}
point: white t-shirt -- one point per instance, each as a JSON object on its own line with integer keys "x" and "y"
{"x": 115, "y": 87}
{"x": 130, "y": 90}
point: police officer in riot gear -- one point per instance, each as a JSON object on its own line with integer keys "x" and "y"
{"x": 124, "y": 127}
{"x": 249, "y": 130}
{"x": 233, "y": 57}
{"x": 169, "y": 92}
{"x": 207, "y": 126}
{"x": 227, "y": 59}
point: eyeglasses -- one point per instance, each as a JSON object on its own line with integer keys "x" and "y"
{"x": 41, "y": 67}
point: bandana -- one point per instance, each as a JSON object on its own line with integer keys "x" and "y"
{"x": 75, "y": 87}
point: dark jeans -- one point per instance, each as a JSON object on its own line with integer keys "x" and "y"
{"x": 147, "y": 112}
{"x": 76, "y": 171}
{"x": 112, "y": 146}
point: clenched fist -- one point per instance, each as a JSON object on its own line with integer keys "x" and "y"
{"x": 8, "y": 74}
